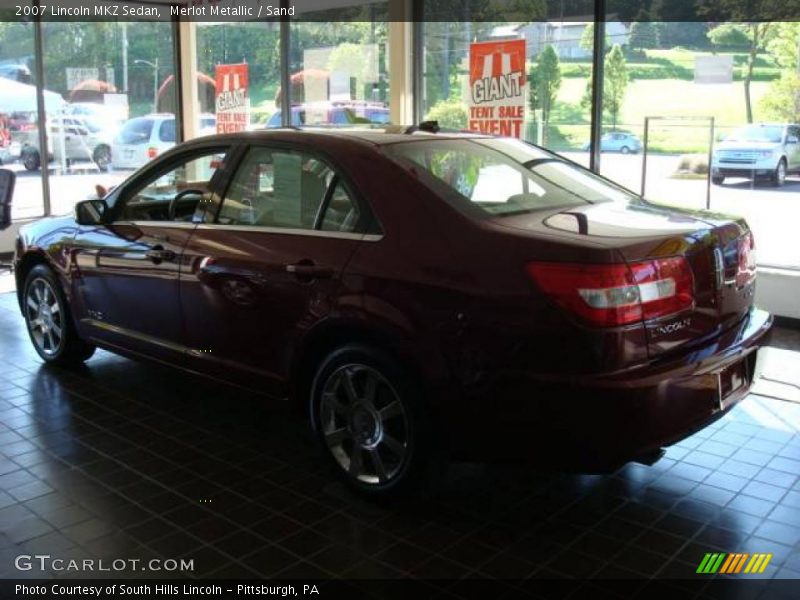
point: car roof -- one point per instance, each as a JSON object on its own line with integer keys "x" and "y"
{"x": 371, "y": 137}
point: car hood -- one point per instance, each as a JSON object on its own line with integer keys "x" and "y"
{"x": 748, "y": 146}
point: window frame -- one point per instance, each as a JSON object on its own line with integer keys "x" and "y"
{"x": 367, "y": 225}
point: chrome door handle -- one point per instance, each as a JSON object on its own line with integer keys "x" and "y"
{"x": 309, "y": 270}
{"x": 158, "y": 254}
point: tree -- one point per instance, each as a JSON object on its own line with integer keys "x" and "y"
{"x": 587, "y": 39}
{"x": 757, "y": 36}
{"x": 615, "y": 84}
{"x": 782, "y": 102}
{"x": 644, "y": 34}
{"x": 545, "y": 81}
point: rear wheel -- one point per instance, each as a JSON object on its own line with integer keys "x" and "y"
{"x": 779, "y": 177}
{"x": 49, "y": 323}
{"x": 717, "y": 179}
{"x": 102, "y": 157}
{"x": 31, "y": 160}
{"x": 625, "y": 150}
{"x": 370, "y": 418}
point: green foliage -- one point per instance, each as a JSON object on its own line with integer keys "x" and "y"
{"x": 785, "y": 45}
{"x": 782, "y": 102}
{"x": 545, "y": 81}
{"x": 449, "y": 113}
{"x": 730, "y": 35}
{"x": 644, "y": 34}
{"x": 615, "y": 84}
{"x": 587, "y": 39}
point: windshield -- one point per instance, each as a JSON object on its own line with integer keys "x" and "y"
{"x": 757, "y": 133}
{"x": 504, "y": 176}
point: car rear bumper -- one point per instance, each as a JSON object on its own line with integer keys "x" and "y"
{"x": 604, "y": 420}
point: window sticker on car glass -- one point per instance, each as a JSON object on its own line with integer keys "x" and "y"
{"x": 287, "y": 184}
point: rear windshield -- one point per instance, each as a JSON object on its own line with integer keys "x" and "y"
{"x": 503, "y": 176}
{"x": 136, "y": 131}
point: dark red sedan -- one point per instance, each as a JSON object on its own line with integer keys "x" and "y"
{"x": 421, "y": 295}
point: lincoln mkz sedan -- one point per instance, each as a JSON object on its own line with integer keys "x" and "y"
{"x": 423, "y": 296}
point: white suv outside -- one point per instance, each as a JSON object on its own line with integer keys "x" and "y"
{"x": 763, "y": 150}
{"x": 141, "y": 139}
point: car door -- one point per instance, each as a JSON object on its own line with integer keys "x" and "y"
{"x": 129, "y": 266}
{"x": 268, "y": 267}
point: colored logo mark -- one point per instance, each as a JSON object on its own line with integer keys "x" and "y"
{"x": 734, "y": 563}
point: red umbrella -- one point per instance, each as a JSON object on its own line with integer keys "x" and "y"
{"x": 206, "y": 93}
{"x": 91, "y": 90}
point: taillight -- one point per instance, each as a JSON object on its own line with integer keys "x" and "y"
{"x": 746, "y": 269}
{"x": 618, "y": 294}
{"x": 152, "y": 152}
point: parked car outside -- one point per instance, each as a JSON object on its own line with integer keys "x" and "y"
{"x": 421, "y": 296}
{"x": 141, "y": 139}
{"x": 335, "y": 114}
{"x": 618, "y": 141}
{"x": 71, "y": 138}
{"x": 758, "y": 151}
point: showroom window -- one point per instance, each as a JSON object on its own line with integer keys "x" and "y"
{"x": 556, "y": 49}
{"x": 680, "y": 98}
{"x": 239, "y": 56}
{"x": 19, "y": 116}
{"x": 338, "y": 67}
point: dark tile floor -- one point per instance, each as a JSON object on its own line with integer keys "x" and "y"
{"x": 129, "y": 460}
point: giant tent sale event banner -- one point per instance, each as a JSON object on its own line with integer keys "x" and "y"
{"x": 233, "y": 105}
{"x": 497, "y": 87}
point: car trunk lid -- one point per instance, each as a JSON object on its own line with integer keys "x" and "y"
{"x": 717, "y": 248}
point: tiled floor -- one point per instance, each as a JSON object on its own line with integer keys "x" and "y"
{"x": 128, "y": 460}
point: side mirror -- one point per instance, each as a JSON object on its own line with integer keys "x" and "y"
{"x": 7, "y": 180}
{"x": 792, "y": 139}
{"x": 91, "y": 212}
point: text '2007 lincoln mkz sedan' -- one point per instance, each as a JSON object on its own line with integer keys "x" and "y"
{"x": 420, "y": 295}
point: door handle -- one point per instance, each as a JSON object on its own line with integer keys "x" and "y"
{"x": 158, "y": 254}
{"x": 307, "y": 270}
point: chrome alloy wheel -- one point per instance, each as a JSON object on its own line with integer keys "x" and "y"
{"x": 44, "y": 316}
{"x": 364, "y": 424}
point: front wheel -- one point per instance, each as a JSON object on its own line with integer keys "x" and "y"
{"x": 779, "y": 177}
{"x": 625, "y": 150}
{"x": 717, "y": 179}
{"x": 49, "y": 323}
{"x": 31, "y": 160}
{"x": 370, "y": 418}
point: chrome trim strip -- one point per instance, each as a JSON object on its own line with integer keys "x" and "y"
{"x": 168, "y": 224}
{"x": 142, "y": 337}
{"x": 343, "y": 235}
{"x": 719, "y": 268}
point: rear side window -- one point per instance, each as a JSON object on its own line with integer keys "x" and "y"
{"x": 136, "y": 131}
{"x": 501, "y": 176}
{"x": 167, "y": 131}
{"x": 286, "y": 189}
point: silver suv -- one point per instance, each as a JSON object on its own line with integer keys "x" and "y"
{"x": 763, "y": 150}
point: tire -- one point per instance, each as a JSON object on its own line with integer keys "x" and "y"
{"x": 779, "y": 176}
{"x": 31, "y": 160}
{"x": 717, "y": 179}
{"x": 102, "y": 157}
{"x": 625, "y": 150}
{"x": 372, "y": 423}
{"x": 49, "y": 322}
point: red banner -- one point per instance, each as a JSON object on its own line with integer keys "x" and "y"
{"x": 497, "y": 87}
{"x": 233, "y": 104}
